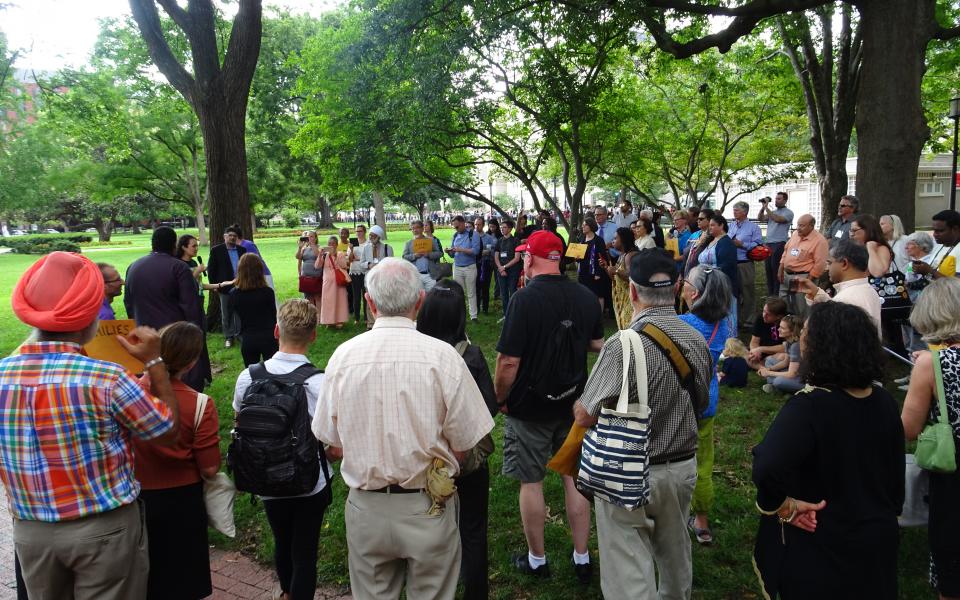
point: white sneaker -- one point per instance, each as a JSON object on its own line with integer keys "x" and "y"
{"x": 902, "y": 380}
{"x": 903, "y": 387}
{"x": 768, "y": 388}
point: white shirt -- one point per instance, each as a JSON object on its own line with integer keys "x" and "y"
{"x": 624, "y": 220}
{"x": 394, "y": 399}
{"x": 281, "y": 364}
{"x": 646, "y": 241}
{"x": 857, "y": 292}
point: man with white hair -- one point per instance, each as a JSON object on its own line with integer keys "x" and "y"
{"x": 396, "y": 402}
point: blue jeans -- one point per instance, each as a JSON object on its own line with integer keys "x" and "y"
{"x": 508, "y": 286}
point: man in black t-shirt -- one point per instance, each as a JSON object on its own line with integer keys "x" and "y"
{"x": 765, "y": 340}
{"x": 552, "y": 322}
{"x": 507, "y": 262}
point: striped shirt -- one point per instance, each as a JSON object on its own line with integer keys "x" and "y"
{"x": 65, "y": 425}
{"x": 673, "y": 416}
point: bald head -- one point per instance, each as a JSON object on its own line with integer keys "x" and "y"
{"x": 805, "y": 224}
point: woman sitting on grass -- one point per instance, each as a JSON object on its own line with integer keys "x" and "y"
{"x": 783, "y": 370}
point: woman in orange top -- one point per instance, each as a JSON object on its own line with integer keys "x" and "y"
{"x": 171, "y": 479}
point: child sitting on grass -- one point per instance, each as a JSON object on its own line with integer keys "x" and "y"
{"x": 783, "y": 374}
{"x": 733, "y": 370}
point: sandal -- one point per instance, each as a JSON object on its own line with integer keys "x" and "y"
{"x": 704, "y": 536}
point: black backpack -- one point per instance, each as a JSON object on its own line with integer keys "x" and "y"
{"x": 274, "y": 451}
{"x": 563, "y": 372}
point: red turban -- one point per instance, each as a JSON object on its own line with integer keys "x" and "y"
{"x": 61, "y": 292}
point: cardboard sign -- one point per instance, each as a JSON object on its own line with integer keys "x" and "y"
{"x": 422, "y": 245}
{"x": 576, "y": 251}
{"x": 106, "y": 347}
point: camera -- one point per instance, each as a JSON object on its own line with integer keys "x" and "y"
{"x": 303, "y": 238}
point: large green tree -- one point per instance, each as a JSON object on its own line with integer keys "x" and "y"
{"x": 698, "y": 128}
{"x": 217, "y": 90}
{"x": 890, "y": 123}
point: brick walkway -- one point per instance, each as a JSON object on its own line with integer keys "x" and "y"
{"x": 234, "y": 576}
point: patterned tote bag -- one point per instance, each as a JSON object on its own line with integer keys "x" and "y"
{"x": 614, "y": 463}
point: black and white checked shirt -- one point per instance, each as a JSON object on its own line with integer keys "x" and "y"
{"x": 673, "y": 415}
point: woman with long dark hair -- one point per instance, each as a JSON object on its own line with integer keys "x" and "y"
{"x": 830, "y": 470}
{"x": 444, "y": 316}
{"x": 620, "y": 277}
{"x": 865, "y": 230}
{"x": 707, "y": 292}
{"x": 255, "y": 303}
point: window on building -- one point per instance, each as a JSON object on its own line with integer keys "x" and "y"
{"x": 931, "y": 188}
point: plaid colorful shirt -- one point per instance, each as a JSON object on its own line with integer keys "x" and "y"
{"x": 65, "y": 425}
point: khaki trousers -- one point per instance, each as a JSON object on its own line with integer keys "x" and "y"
{"x": 467, "y": 278}
{"x": 632, "y": 541}
{"x": 390, "y": 536}
{"x": 101, "y": 557}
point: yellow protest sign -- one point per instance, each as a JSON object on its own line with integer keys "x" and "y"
{"x": 422, "y": 245}
{"x": 106, "y": 347}
{"x": 576, "y": 251}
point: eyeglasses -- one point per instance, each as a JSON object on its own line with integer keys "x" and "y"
{"x": 109, "y": 281}
{"x": 852, "y": 230}
{"x": 846, "y": 206}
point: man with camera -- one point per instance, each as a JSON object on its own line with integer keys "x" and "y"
{"x": 778, "y": 222}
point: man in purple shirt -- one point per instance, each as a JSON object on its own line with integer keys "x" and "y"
{"x": 112, "y": 287}
{"x": 746, "y": 235}
{"x": 249, "y": 246}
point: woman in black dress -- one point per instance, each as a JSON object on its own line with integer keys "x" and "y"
{"x": 444, "y": 316}
{"x": 256, "y": 306}
{"x": 830, "y": 470}
{"x": 592, "y": 271}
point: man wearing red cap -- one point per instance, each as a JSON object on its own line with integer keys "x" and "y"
{"x": 550, "y": 326}
{"x": 66, "y": 460}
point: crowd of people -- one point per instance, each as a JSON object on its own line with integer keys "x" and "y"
{"x": 406, "y": 409}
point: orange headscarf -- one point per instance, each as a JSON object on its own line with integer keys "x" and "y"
{"x": 61, "y": 292}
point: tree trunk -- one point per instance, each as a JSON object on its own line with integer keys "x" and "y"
{"x": 326, "y": 219}
{"x": 381, "y": 218}
{"x": 223, "y": 129}
{"x": 202, "y": 238}
{"x": 833, "y": 185}
{"x": 104, "y": 228}
{"x": 891, "y": 128}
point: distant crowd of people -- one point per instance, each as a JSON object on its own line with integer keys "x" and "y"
{"x": 105, "y": 474}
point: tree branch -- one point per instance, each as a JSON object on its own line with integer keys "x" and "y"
{"x": 148, "y": 20}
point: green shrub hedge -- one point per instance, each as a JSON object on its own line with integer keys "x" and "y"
{"x": 41, "y": 244}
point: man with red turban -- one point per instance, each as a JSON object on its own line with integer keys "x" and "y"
{"x": 66, "y": 419}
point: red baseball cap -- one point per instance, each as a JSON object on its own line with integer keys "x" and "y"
{"x": 543, "y": 244}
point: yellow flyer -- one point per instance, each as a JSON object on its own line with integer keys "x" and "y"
{"x": 106, "y": 347}
{"x": 577, "y": 251}
{"x": 422, "y": 246}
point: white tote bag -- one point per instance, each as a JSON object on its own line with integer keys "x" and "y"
{"x": 614, "y": 460}
{"x": 218, "y": 491}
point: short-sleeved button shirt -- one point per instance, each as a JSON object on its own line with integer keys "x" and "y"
{"x": 65, "y": 427}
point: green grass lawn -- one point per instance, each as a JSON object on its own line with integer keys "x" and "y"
{"x": 721, "y": 571}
